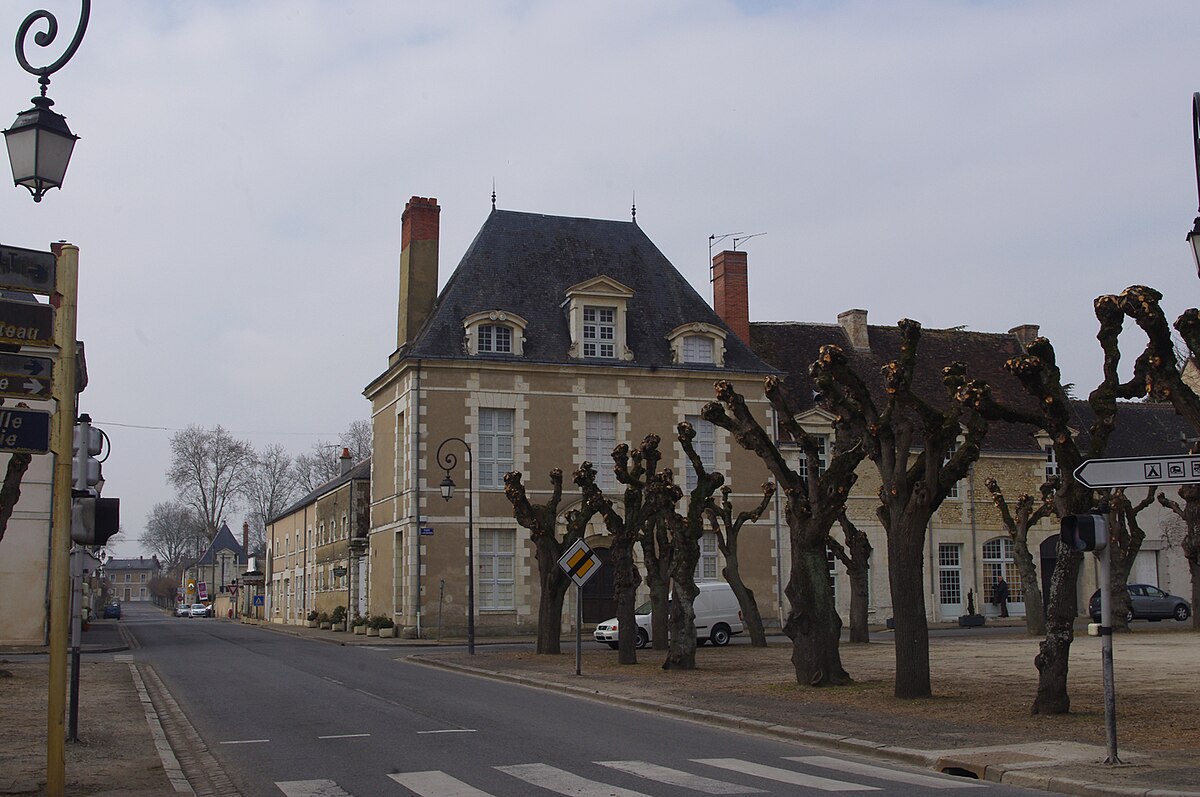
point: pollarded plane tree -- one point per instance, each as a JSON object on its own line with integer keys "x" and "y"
{"x": 1018, "y": 519}
{"x": 542, "y": 522}
{"x": 855, "y": 556}
{"x": 656, "y": 560}
{"x": 1038, "y": 372}
{"x": 1125, "y": 538}
{"x": 913, "y": 445}
{"x": 811, "y": 507}
{"x": 727, "y": 530}
{"x": 1165, "y": 382}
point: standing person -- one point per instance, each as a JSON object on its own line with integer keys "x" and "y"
{"x": 1001, "y": 595}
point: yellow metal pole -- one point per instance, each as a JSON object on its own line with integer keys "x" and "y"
{"x": 66, "y": 288}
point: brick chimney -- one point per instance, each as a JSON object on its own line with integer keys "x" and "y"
{"x": 246, "y": 537}
{"x": 344, "y": 462}
{"x": 418, "y": 265}
{"x": 854, "y": 324}
{"x": 731, "y": 298}
{"x": 1025, "y": 334}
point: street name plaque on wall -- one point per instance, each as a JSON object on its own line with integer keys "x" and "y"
{"x": 26, "y": 323}
{"x": 27, "y": 269}
{"x": 24, "y": 431}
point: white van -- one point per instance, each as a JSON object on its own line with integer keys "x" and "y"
{"x": 718, "y": 617}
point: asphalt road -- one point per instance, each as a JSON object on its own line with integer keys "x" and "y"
{"x": 284, "y": 715}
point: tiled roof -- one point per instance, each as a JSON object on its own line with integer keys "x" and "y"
{"x": 360, "y": 471}
{"x": 223, "y": 540}
{"x": 524, "y": 262}
{"x": 1143, "y": 429}
{"x": 132, "y": 564}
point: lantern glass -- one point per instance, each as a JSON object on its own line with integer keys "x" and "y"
{"x": 447, "y": 487}
{"x": 39, "y": 149}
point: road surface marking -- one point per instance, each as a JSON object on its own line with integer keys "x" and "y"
{"x": 311, "y": 788}
{"x": 452, "y": 730}
{"x": 123, "y": 657}
{"x": 345, "y": 736}
{"x": 783, "y": 775}
{"x": 883, "y": 773}
{"x": 675, "y": 777}
{"x": 563, "y": 782}
{"x": 247, "y": 741}
{"x": 333, "y": 680}
{"x": 435, "y": 784}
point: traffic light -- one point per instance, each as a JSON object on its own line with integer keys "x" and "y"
{"x": 1084, "y": 532}
{"x": 94, "y": 520}
{"x": 86, "y": 443}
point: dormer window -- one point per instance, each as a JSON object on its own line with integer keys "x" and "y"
{"x": 495, "y": 332}
{"x": 697, "y": 343}
{"x": 599, "y": 332}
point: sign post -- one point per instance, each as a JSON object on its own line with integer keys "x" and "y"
{"x": 580, "y": 564}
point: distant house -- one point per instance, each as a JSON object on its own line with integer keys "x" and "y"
{"x": 220, "y": 564}
{"x": 129, "y": 579}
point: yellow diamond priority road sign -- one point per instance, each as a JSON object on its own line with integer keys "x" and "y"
{"x": 579, "y": 562}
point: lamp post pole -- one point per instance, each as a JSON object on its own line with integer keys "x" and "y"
{"x": 1193, "y": 237}
{"x": 448, "y": 462}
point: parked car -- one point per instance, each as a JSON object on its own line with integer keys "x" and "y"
{"x": 198, "y": 610}
{"x": 718, "y": 618}
{"x": 112, "y": 611}
{"x": 1147, "y": 602}
{"x": 183, "y": 610}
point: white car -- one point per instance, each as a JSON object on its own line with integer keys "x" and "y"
{"x": 198, "y": 610}
{"x": 183, "y": 610}
{"x": 718, "y": 617}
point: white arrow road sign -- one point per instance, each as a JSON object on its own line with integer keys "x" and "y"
{"x": 1134, "y": 471}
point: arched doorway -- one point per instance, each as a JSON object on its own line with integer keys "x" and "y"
{"x": 598, "y": 601}
{"x": 998, "y": 561}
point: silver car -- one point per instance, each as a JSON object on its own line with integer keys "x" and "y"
{"x": 1147, "y": 602}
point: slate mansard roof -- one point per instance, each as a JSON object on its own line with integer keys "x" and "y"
{"x": 524, "y": 263}
{"x": 222, "y": 541}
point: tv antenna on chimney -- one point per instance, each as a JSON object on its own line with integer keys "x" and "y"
{"x": 713, "y": 240}
{"x": 736, "y": 241}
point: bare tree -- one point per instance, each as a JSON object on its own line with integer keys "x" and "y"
{"x": 357, "y": 440}
{"x": 322, "y": 463}
{"x": 270, "y": 485}
{"x": 811, "y": 507}
{"x": 728, "y": 530}
{"x": 209, "y": 469}
{"x": 912, "y": 488}
{"x": 542, "y": 522}
{"x": 1125, "y": 538}
{"x": 855, "y": 555}
{"x": 1018, "y": 520}
{"x": 172, "y": 533}
{"x": 1189, "y": 540}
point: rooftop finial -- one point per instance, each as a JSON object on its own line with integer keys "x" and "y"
{"x": 633, "y": 209}
{"x": 493, "y": 193}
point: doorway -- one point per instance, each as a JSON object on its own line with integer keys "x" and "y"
{"x": 599, "y": 603}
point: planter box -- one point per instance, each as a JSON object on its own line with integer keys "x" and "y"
{"x": 360, "y": 629}
{"x": 312, "y": 623}
{"x": 326, "y": 626}
{"x": 338, "y": 627}
{"x": 387, "y": 633}
{"x": 372, "y": 632}
{"x": 971, "y": 620}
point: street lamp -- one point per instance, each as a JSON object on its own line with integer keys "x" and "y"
{"x": 39, "y": 141}
{"x": 1193, "y": 237}
{"x": 448, "y": 462}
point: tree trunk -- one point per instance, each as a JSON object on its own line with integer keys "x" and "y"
{"x": 657, "y": 559}
{"x": 813, "y": 623}
{"x": 1194, "y": 567}
{"x": 550, "y": 605}
{"x": 1054, "y": 654}
{"x": 1035, "y": 617}
{"x": 751, "y": 617}
{"x": 906, "y": 562}
{"x": 860, "y": 598}
{"x": 625, "y": 583}
{"x": 681, "y": 654}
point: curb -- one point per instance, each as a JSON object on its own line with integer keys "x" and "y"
{"x": 994, "y": 773}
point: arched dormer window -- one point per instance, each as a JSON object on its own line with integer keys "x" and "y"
{"x": 495, "y": 332}
{"x": 697, "y": 343}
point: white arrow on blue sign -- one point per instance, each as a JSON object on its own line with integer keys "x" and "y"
{"x": 1135, "y": 471}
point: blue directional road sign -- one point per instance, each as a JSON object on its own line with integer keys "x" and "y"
{"x": 25, "y": 431}
{"x": 23, "y": 376}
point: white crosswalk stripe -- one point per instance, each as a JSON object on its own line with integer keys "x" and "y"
{"x": 883, "y": 773}
{"x": 783, "y": 775}
{"x": 435, "y": 784}
{"x": 675, "y": 777}
{"x": 311, "y": 788}
{"x": 563, "y": 782}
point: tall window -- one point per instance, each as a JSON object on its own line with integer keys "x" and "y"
{"x": 822, "y": 457}
{"x": 706, "y": 567}
{"x": 953, "y": 491}
{"x": 599, "y": 332}
{"x": 706, "y": 446}
{"x": 495, "y": 338}
{"x": 949, "y": 574}
{"x": 601, "y": 435}
{"x": 831, "y": 562}
{"x": 496, "y": 568}
{"x": 698, "y": 349}
{"x": 1051, "y": 462}
{"x": 998, "y": 561}
{"x": 495, "y": 449}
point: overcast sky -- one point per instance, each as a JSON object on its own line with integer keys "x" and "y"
{"x": 237, "y": 189}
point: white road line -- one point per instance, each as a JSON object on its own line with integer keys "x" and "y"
{"x": 435, "y": 784}
{"x": 563, "y": 782}
{"x": 311, "y": 788}
{"x": 452, "y": 730}
{"x": 345, "y": 736}
{"x": 675, "y": 777}
{"x": 783, "y": 775}
{"x": 883, "y": 773}
{"x": 246, "y": 741}
{"x": 333, "y": 680}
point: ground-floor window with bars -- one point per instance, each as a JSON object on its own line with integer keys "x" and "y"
{"x": 950, "y": 574}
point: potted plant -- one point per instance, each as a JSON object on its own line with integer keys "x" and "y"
{"x": 337, "y": 620}
{"x": 373, "y": 626}
{"x": 313, "y": 617}
{"x": 323, "y": 621}
{"x": 387, "y": 628}
{"x": 359, "y": 624}
{"x": 971, "y": 619}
